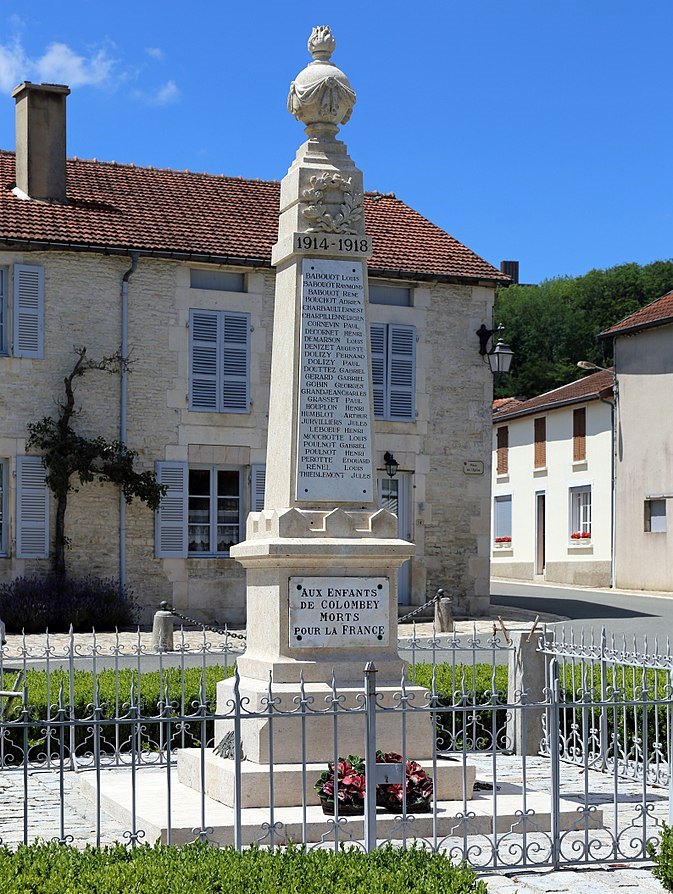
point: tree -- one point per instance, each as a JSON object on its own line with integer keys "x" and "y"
{"x": 69, "y": 456}
{"x": 552, "y": 325}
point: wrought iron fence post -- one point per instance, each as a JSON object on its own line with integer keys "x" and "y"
{"x": 603, "y": 733}
{"x": 555, "y": 747}
{"x": 670, "y": 754}
{"x": 370, "y": 757}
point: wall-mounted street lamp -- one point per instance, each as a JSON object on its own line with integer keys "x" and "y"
{"x": 500, "y": 356}
{"x": 390, "y": 463}
{"x": 587, "y": 364}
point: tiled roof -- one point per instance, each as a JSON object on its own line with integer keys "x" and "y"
{"x": 121, "y": 207}
{"x": 589, "y": 388}
{"x": 500, "y": 402}
{"x": 657, "y": 313}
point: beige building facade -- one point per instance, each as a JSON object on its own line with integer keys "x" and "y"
{"x": 643, "y": 350}
{"x": 178, "y": 267}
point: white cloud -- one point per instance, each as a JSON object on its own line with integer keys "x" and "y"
{"x": 58, "y": 64}
{"x": 155, "y": 53}
{"x": 13, "y": 65}
{"x": 61, "y": 64}
{"x": 16, "y": 21}
{"x": 163, "y": 96}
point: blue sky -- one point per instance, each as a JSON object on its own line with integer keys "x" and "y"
{"x": 528, "y": 129}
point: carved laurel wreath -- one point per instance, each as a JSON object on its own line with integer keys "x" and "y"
{"x": 350, "y": 210}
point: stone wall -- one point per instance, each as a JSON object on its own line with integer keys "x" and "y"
{"x": 449, "y": 517}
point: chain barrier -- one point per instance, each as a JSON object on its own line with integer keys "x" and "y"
{"x": 224, "y": 631}
{"x": 435, "y": 599}
{"x": 212, "y": 628}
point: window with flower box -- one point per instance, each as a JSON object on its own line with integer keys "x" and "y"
{"x": 580, "y": 515}
{"x": 502, "y": 522}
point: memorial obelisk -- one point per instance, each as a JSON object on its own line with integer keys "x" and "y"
{"x": 321, "y": 560}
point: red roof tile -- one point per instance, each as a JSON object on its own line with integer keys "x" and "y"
{"x": 121, "y": 207}
{"x": 657, "y": 313}
{"x": 589, "y": 388}
{"x": 500, "y": 402}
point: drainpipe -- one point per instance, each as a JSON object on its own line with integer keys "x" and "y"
{"x": 122, "y": 411}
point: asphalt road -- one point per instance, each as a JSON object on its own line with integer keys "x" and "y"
{"x": 618, "y": 611}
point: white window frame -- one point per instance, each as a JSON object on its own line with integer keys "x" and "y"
{"x": 661, "y": 524}
{"x": 212, "y": 520}
{"x": 4, "y": 519}
{"x": 497, "y": 533}
{"x": 579, "y": 516}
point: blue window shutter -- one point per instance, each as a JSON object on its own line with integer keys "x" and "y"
{"x": 258, "y": 483}
{"x": 204, "y": 342}
{"x": 171, "y": 516}
{"x": 377, "y": 338}
{"x": 32, "y": 508}
{"x": 235, "y": 363}
{"x": 28, "y": 311}
{"x": 401, "y": 373}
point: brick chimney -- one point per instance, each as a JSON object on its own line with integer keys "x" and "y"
{"x": 510, "y": 268}
{"x": 40, "y": 141}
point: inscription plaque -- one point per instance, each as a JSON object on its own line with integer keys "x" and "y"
{"x": 334, "y": 454}
{"x": 338, "y": 611}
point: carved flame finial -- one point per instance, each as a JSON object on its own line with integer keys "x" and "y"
{"x": 321, "y": 43}
{"x": 321, "y": 95}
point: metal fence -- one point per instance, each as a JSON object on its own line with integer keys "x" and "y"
{"x": 99, "y": 726}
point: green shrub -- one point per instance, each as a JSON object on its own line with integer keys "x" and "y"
{"x": 200, "y": 869}
{"x": 663, "y": 858}
{"x": 114, "y": 698}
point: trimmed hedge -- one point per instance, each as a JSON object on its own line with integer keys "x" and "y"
{"x": 663, "y": 858}
{"x": 202, "y": 869}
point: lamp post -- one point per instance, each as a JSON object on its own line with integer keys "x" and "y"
{"x": 500, "y": 356}
{"x": 390, "y": 463}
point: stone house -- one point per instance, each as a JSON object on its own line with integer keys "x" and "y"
{"x": 643, "y": 351}
{"x": 176, "y": 267}
{"x": 552, "y": 485}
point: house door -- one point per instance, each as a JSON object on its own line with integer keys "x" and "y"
{"x": 540, "y": 519}
{"x": 394, "y": 496}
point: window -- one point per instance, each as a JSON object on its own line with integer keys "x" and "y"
{"x": 385, "y": 293}
{"x": 26, "y": 338}
{"x": 32, "y": 508}
{"x": 213, "y": 510}
{"x": 540, "y": 456}
{"x": 502, "y": 521}
{"x": 502, "y": 440}
{"x": 3, "y": 507}
{"x": 216, "y": 280}
{"x": 580, "y": 513}
{"x": 579, "y": 435}
{"x": 655, "y": 516}
{"x": 4, "y": 333}
{"x": 219, "y": 361}
{"x": 394, "y": 371}
{"x": 202, "y": 512}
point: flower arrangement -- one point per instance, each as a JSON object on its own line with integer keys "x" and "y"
{"x": 503, "y": 539}
{"x": 418, "y": 787}
{"x": 351, "y": 786}
{"x": 580, "y": 535}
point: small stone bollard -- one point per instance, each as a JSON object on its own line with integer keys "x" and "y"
{"x": 443, "y": 613}
{"x": 162, "y": 630}
{"x": 526, "y": 671}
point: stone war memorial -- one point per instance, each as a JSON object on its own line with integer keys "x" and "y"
{"x": 321, "y": 560}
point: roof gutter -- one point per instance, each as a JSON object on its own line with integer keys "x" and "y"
{"x": 531, "y": 411}
{"x": 633, "y": 330}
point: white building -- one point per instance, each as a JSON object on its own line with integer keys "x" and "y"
{"x": 643, "y": 348}
{"x": 552, "y": 485}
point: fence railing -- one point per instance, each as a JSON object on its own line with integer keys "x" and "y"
{"x": 137, "y": 738}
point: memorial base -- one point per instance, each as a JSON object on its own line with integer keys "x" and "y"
{"x": 453, "y": 782}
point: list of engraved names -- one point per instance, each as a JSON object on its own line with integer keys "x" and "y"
{"x": 334, "y": 455}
